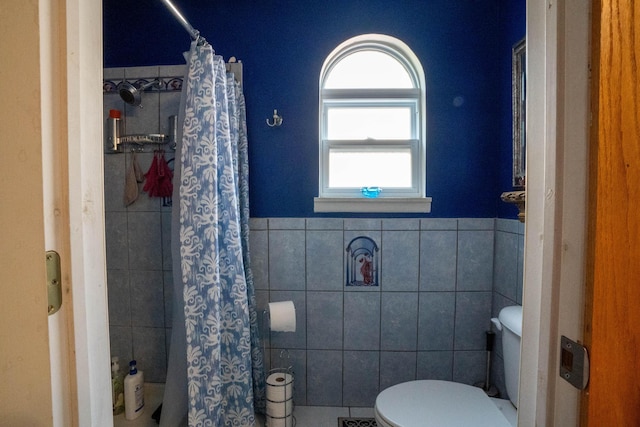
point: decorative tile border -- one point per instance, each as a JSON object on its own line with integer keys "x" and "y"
{"x": 167, "y": 84}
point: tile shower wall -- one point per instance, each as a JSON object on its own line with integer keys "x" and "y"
{"x": 441, "y": 280}
{"x": 138, "y": 236}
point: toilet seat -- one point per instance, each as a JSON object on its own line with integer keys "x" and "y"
{"x": 433, "y": 403}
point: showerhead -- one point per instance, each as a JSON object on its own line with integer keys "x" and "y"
{"x": 132, "y": 95}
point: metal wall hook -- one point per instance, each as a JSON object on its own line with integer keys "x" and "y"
{"x": 277, "y": 119}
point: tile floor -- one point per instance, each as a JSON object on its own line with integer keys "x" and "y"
{"x": 323, "y": 416}
{"x": 306, "y": 416}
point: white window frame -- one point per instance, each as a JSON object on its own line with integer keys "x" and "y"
{"x": 391, "y": 199}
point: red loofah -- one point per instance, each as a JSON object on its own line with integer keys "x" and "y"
{"x": 158, "y": 177}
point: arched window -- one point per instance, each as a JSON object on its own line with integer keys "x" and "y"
{"x": 372, "y": 128}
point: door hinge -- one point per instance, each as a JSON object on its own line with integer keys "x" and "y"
{"x": 54, "y": 282}
{"x": 574, "y": 363}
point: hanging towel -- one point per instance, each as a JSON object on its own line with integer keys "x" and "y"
{"x": 137, "y": 169}
{"x": 133, "y": 176}
{"x": 159, "y": 177}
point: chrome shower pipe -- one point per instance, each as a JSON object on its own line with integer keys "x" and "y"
{"x": 192, "y": 31}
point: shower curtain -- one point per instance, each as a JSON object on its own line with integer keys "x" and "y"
{"x": 220, "y": 362}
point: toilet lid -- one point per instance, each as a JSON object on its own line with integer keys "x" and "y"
{"x": 432, "y": 403}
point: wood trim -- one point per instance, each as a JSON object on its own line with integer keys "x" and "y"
{"x": 596, "y": 9}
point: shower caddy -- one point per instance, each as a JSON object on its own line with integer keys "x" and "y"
{"x": 115, "y": 142}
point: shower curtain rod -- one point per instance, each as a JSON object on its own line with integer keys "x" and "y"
{"x": 192, "y": 31}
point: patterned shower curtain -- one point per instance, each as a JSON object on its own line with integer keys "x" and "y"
{"x": 224, "y": 360}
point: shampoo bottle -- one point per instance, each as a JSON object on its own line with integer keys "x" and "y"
{"x": 117, "y": 387}
{"x": 133, "y": 392}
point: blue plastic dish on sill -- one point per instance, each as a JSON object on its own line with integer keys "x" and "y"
{"x": 371, "y": 192}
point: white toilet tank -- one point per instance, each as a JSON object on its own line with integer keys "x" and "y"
{"x": 511, "y": 321}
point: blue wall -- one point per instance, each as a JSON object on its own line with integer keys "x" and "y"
{"x": 464, "y": 47}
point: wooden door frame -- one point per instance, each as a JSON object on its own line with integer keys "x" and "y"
{"x": 55, "y": 200}
{"x": 593, "y": 158}
{"x": 557, "y": 133}
{"x": 84, "y": 118}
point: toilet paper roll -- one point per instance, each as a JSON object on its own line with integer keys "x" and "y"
{"x": 280, "y": 409}
{"x": 280, "y": 422}
{"x": 279, "y": 387}
{"x": 283, "y": 316}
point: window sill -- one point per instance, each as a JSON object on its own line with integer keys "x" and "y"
{"x": 378, "y": 205}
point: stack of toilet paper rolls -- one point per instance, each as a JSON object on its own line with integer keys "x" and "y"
{"x": 280, "y": 399}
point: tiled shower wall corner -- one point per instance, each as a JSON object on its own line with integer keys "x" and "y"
{"x": 139, "y": 267}
{"x": 441, "y": 280}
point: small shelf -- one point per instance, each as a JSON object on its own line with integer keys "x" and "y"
{"x": 517, "y": 198}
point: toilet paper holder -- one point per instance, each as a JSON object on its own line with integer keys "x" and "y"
{"x": 279, "y": 393}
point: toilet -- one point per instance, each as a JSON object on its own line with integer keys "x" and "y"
{"x": 434, "y": 403}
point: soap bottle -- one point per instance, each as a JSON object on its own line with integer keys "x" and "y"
{"x": 117, "y": 386}
{"x": 133, "y": 392}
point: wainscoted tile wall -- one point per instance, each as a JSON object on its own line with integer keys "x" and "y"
{"x": 507, "y": 282}
{"x": 441, "y": 280}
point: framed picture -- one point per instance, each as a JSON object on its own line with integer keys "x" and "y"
{"x": 519, "y": 95}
